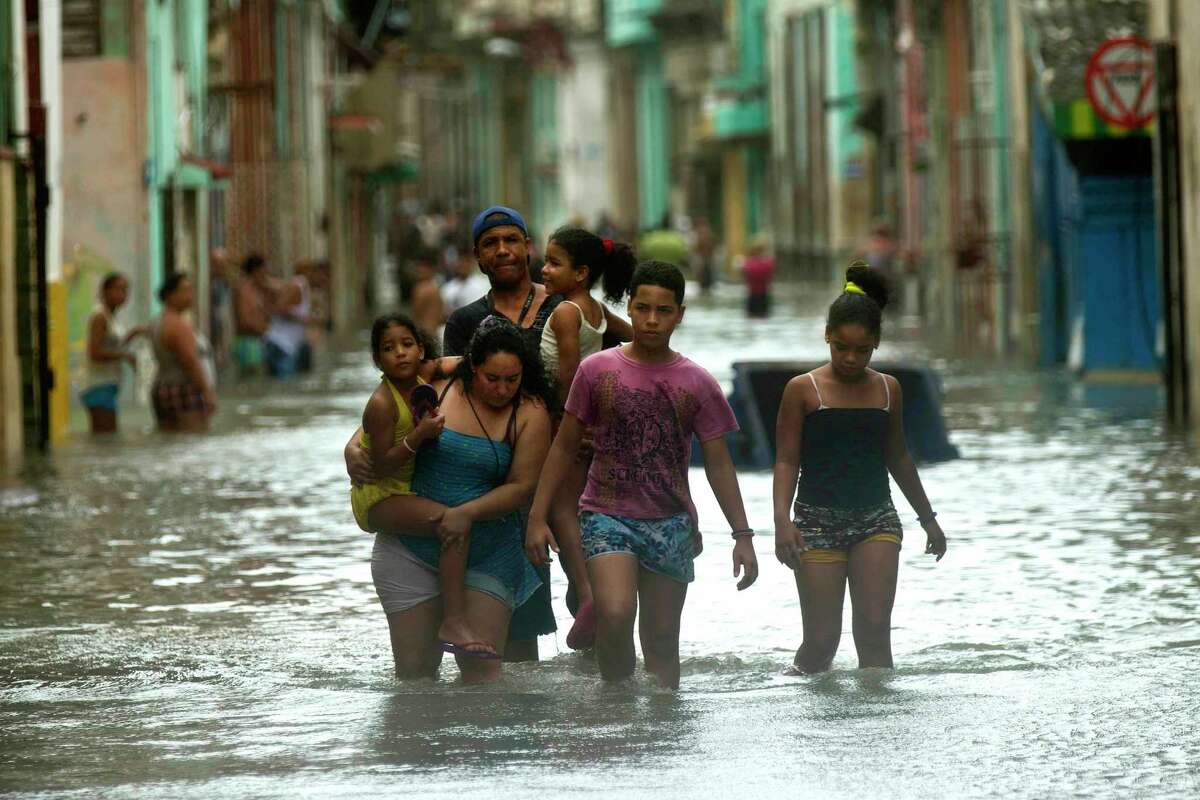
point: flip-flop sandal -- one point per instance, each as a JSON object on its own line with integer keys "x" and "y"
{"x": 464, "y": 651}
{"x": 583, "y": 633}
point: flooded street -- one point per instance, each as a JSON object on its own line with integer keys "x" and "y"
{"x": 194, "y": 617}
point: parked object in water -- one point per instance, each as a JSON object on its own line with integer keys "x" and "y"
{"x": 758, "y": 387}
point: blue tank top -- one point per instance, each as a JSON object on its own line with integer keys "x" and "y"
{"x": 843, "y": 456}
{"x": 457, "y": 468}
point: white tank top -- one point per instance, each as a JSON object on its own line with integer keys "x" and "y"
{"x": 287, "y": 332}
{"x": 591, "y": 341}
{"x": 100, "y": 373}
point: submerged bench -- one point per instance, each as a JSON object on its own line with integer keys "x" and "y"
{"x": 758, "y": 388}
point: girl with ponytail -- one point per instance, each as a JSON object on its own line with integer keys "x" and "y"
{"x": 576, "y": 260}
{"x": 839, "y": 432}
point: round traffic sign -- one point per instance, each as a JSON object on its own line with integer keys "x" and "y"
{"x": 1120, "y": 81}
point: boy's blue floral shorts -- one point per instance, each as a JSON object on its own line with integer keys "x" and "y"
{"x": 660, "y": 545}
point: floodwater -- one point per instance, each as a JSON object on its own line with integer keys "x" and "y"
{"x": 194, "y": 617}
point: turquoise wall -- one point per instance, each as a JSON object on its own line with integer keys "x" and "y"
{"x": 751, "y": 42}
{"x": 653, "y": 138}
{"x": 845, "y": 140}
{"x": 176, "y": 33}
{"x": 628, "y": 21}
{"x": 548, "y": 211}
{"x": 488, "y": 145}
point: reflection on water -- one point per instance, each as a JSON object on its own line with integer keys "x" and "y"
{"x": 194, "y": 617}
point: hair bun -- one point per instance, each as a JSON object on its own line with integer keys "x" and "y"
{"x": 871, "y": 281}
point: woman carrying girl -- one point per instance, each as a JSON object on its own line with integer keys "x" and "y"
{"x": 106, "y": 352}
{"x": 840, "y": 431}
{"x": 576, "y": 260}
{"x": 393, "y": 430}
{"x": 482, "y": 468}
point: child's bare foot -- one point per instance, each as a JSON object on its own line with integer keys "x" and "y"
{"x": 456, "y": 636}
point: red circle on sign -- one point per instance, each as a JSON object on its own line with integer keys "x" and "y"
{"x": 1120, "y": 81}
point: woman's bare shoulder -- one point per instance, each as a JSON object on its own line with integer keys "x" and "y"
{"x": 532, "y": 408}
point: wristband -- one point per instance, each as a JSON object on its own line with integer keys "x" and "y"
{"x": 740, "y": 532}
{"x": 404, "y": 442}
{"x": 932, "y": 516}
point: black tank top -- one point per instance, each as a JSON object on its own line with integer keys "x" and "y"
{"x": 843, "y": 462}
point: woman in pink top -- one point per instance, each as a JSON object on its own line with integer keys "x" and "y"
{"x": 758, "y": 270}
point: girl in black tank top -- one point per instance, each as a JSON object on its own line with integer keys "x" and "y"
{"x": 838, "y": 437}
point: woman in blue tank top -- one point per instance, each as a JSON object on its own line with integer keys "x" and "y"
{"x": 483, "y": 468}
{"x": 838, "y": 436}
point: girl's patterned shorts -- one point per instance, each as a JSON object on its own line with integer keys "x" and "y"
{"x": 660, "y": 545}
{"x": 829, "y": 533}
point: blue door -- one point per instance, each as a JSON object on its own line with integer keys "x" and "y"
{"x": 1118, "y": 274}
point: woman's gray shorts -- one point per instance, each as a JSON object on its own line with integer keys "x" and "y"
{"x": 403, "y": 581}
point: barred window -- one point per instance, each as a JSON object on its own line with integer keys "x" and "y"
{"x": 81, "y": 28}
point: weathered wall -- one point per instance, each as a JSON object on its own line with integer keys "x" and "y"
{"x": 11, "y": 431}
{"x": 1187, "y": 37}
{"x": 583, "y": 122}
{"x": 104, "y": 202}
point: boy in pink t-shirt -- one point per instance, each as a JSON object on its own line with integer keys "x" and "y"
{"x": 644, "y": 402}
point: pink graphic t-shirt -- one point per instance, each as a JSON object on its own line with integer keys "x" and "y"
{"x": 643, "y": 417}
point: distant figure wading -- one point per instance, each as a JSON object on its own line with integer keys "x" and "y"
{"x": 183, "y": 394}
{"x": 107, "y": 350}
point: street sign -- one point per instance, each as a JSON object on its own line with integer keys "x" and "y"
{"x": 1120, "y": 81}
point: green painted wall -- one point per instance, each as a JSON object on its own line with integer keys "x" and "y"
{"x": 176, "y": 32}
{"x": 751, "y": 42}
{"x": 487, "y": 143}
{"x": 628, "y": 21}
{"x": 115, "y": 29}
{"x": 653, "y": 137}
{"x": 756, "y": 187}
{"x": 845, "y": 140}
{"x": 548, "y": 211}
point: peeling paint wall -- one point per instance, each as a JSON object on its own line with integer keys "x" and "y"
{"x": 104, "y": 198}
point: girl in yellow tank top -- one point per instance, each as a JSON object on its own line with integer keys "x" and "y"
{"x": 390, "y": 434}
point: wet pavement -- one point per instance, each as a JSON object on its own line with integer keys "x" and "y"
{"x": 194, "y": 617}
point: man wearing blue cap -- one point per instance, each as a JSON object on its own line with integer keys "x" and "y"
{"x": 502, "y": 247}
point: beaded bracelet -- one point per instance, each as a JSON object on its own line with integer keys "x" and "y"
{"x": 932, "y": 516}
{"x": 740, "y": 532}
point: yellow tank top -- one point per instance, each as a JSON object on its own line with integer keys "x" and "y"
{"x": 404, "y": 426}
{"x": 400, "y": 482}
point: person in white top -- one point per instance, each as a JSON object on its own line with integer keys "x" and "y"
{"x": 106, "y": 352}
{"x": 466, "y": 285}
{"x": 576, "y": 260}
{"x": 287, "y": 336}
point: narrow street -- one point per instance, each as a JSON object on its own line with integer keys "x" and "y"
{"x": 193, "y": 616}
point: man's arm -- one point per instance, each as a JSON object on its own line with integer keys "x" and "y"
{"x": 538, "y": 537}
{"x": 900, "y": 465}
{"x": 718, "y": 468}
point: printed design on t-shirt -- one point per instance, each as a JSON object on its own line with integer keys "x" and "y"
{"x": 640, "y": 442}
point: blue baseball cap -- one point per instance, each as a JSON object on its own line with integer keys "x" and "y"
{"x": 494, "y": 217}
